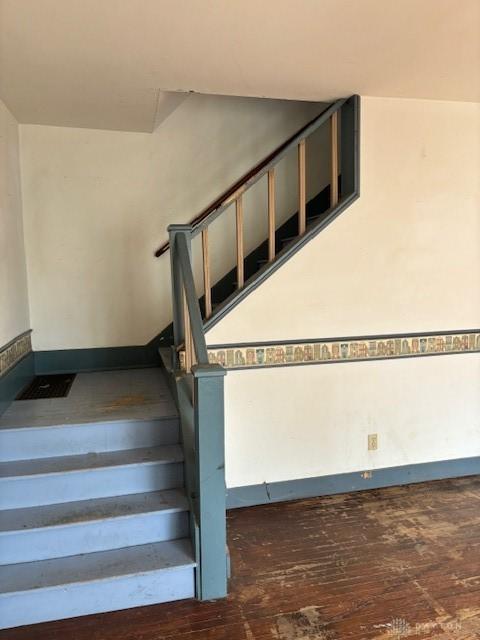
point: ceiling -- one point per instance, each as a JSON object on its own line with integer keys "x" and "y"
{"x": 112, "y": 63}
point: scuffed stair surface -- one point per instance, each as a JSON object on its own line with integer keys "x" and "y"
{"x": 87, "y": 462}
{"x": 91, "y": 567}
{"x": 89, "y": 526}
{"x": 103, "y": 396}
{"x": 79, "y": 585}
{"x": 93, "y": 511}
{"x": 83, "y": 511}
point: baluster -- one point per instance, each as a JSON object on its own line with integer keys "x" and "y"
{"x": 302, "y": 213}
{"x": 239, "y": 220}
{"x": 271, "y": 215}
{"x": 188, "y": 335}
{"x": 206, "y": 274}
{"x": 334, "y": 159}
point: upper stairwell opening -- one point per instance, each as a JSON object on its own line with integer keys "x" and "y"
{"x": 267, "y": 215}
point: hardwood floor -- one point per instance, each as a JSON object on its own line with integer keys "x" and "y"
{"x": 391, "y": 563}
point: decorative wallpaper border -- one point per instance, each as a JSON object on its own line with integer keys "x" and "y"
{"x": 14, "y": 351}
{"x": 316, "y": 351}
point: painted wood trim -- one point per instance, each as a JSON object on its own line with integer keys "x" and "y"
{"x": 334, "y": 159}
{"x": 95, "y": 359}
{"x": 210, "y": 480}
{"x": 268, "y": 492}
{"x": 256, "y": 355}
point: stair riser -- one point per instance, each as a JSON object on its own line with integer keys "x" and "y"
{"x": 47, "y": 442}
{"x": 69, "y": 601}
{"x": 37, "y": 490}
{"x": 78, "y": 538}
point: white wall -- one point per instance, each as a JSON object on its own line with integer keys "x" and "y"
{"x": 307, "y": 421}
{"x": 14, "y": 315}
{"x": 97, "y": 204}
{"x": 404, "y": 258}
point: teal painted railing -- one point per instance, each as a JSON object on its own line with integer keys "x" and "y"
{"x": 200, "y": 384}
{"x": 201, "y": 405}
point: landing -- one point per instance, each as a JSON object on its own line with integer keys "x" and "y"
{"x": 104, "y": 396}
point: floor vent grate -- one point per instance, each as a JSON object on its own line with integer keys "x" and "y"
{"x": 53, "y": 386}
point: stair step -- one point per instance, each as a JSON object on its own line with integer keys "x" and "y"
{"x": 30, "y": 483}
{"x": 97, "y": 582}
{"x": 86, "y": 526}
{"x": 289, "y": 239}
{"x": 22, "y": 442}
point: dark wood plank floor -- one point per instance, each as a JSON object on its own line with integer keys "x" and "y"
{"x": 393, "y": 563}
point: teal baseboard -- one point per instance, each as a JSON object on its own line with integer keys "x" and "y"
{"x": 101, "y": 359}
{"x": 15, "y": 380}
{"x": 347, "y": 482}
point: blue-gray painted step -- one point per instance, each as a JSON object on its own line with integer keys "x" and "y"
{"x": 29, "y": 483}
{"x": 46, "y": 441}
{"x": 97, "y": 582}
{"x": 73, "y": 528}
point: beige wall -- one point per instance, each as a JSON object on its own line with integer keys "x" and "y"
{"x": 97, "y": 204}
{"x": 14, "y": 315}
{"x": 404, "y": 258}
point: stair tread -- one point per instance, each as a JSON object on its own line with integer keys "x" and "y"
{"x": 97, "y": 509}
{"x": 98, "y": 397}
{"x": 86, "y": 462}
{"x": 24, "y": 425}
{"x": 101, "y": 565}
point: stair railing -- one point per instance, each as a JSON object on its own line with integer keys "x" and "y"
{"x": 201, "y": 401}
{"x": 199, "y": 384}
{"x": 343, "y": 154}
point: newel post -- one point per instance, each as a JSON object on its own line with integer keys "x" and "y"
{"x": 210, "y": 480}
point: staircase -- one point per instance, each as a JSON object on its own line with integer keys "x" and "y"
{"x": 93, "y": 513}
{"x": 101, "y": 508}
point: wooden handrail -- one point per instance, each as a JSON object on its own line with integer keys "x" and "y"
{"x": 233, "y": 192}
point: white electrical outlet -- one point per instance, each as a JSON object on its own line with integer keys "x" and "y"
{"x": 372, "y": 441}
